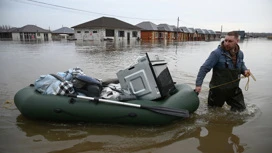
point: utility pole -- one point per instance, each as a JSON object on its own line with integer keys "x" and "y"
{"x": 177, "y": 28}
{"x": 221, "y": 31}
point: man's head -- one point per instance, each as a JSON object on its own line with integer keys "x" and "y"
{"x": 231, "y": 40}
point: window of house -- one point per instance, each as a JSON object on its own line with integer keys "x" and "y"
{"x": 109, "y": 33}
{"x": 160, "y": 35}
{"x": 134, "y": 34}
{"x": 86, "y": 31}
{"x": 78, "y": 31}
{"x": 121, "y": 33}
{"x": 156, "y": 34}
{"x": 38, "y": 34}
{"x": 94, "y": 31}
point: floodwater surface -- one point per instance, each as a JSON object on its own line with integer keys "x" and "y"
{"x": 207, "y": 130}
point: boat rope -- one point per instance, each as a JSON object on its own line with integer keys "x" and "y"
{"x": 243, "y": 77}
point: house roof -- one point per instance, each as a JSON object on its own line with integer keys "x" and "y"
{"x": 161, "y": 29}
{"x": 205, "y": 31}
{"x": 7, "y": 30}
{"x": 177, "y": 29}
{"x": 241, "y": 33}
{"x": 165, "y": 27}
{"x": 106, "y": 22}
{"x": 30, "y": 28}
{"x": 212, "y": 32}
{"x": 64, "y": 30}
{"x": 172, "y": 26}
{"x": 184, "y": 29}
{"x": 146, "y": 25}
{"x": 191, "y": 30}
{"x": 199, "y": 31}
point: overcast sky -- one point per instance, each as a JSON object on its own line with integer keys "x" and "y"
{"x": 248, "y": 15}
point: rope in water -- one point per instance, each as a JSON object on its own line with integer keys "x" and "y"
{"x": 246, "y": 86}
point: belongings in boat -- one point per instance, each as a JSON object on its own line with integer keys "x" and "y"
{"x": 147, "y": 79}
{"x": 87, "y": 85}
{"x": 114, "y": 91}
{"x": 68, "y": 82}
{"x": 74, "y": 81}
{"x": 52, "y": 84}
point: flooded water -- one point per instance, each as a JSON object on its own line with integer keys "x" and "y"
{"x": 207, "y": 131}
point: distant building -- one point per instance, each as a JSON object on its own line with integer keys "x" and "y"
{"x": 6, "y": 33}
{"x": 106, "y": 28}
{"x": 219, "y": 35}
{"x": 186, "y": 33}
{"x": 178, "y": 33}
{"x": 31, "y": 32}
{"x": 166, "y": 32}
{"x": 149, "y": 30}
{"x": 206, "y": 34}
{"x": 213, "y": 35}
{"x": 192, "y": 34}
{"x": 242, "y": 34}
{"x": 200, "y": 34}
{"x": 63, "y": 33}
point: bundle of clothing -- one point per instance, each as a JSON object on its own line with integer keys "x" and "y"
{"x": 75, "y": 81}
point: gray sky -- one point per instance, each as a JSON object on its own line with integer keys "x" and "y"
{"x": 248, "y": 15}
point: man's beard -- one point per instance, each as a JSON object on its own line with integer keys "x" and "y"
{"x": 228, "y": 48}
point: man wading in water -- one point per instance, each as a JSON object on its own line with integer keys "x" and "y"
{"x": 227, "y": 64}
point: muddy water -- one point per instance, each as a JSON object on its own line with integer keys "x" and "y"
{"x": 217, "y": 130}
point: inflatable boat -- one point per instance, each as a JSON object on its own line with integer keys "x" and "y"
{"x": 35, "y": 105}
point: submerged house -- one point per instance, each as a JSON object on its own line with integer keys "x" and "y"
{"x": 241, "y": 34}
{"x": 166, "y": 32}
{"x": 178, "y": 33}
{"x": 209, "y": 35}
{"x": 206, "y": 34}
{"x": 186, "y": 33}
{"x": 6, "y": 33}
{"x": 219, "y": 34}
{"x": 31, "y": 32}
{"x": 212, "y": 35}
{"x": 106, "y": 28}
{"x": 192, "y": 34}
{"x": 63, "y": 33}
{"x": 149, "y": 30}
{"x": 200, "y": 34}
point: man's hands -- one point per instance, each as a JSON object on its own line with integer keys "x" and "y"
{"x": 198, "y": 89}
{"x": 247, "y": 73}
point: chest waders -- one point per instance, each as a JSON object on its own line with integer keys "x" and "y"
{"x": 230, "y": 93}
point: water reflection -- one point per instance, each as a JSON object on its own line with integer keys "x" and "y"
{"x": 117, "y": 45}
{"x": 50, "y": 131}
{"x": 102, "y": 137}
{"x": 217, "y": 135}
{"x": 213, "y": 130}
{"x": 106, "y": 45}
{"x": 218, "y": 138}
{"x": 219, "y": 141}
{"x": 82, "y": 147}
